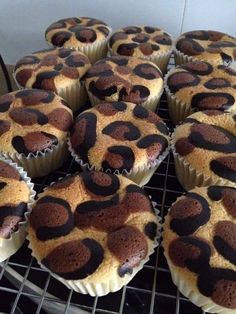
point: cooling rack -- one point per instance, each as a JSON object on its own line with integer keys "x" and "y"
{"x": 26, "y": 288}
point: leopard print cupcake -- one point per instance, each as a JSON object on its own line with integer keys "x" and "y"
{"x": 59, "y": 70}
{"x": 120, "y": 78}
{"x": 96, "y": 240}
{"x": 16, "y": 198}
{"x": 204, "y": 148}
{"x": 199, "y": 240}
{"x": 85, "y": 34}
{"x": 200, "y": 86}
{"x": 34, "y": 126}
{"x": 121, "y": 138}
{"x": 146, "y": 42}
{"x": 201, "y": 45}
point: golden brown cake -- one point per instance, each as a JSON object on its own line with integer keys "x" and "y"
{"x": 16, "y": 197}
{"x": 199, "y": 86}
{"x": 120, "y": 137}
{"x": 57, "y": 69}
{"x": 204, "y": 148}
{"x": 120, "y": 78}
{"x": 34, "y": 126}
{"x": 86, "y": 34}
{"x": 146, "y": 42}
{"x": 97, "y": 239}
{"x": 199, "y": 242}
{"x": 205, "y": 45}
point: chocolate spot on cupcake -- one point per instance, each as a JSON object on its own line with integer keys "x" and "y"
{"x": 110, "y": 109}
{"x": 100, "y": 183}
{"x": 189, "y": 47}
{"x": 141, "y": 38}
{"x": 198, "y": 67}
{"x": 212, "y": 112}
{"x": 92, "y": 22}
{"x": 23, "y": 76}
{"x": 162, "y": 128}
{"x": 58, "y": 67}
{"x": 56, "y": 25}
{"x": 45, "y": 80}
{"x": 150, "y": 29}
{"x": 190, "y": 252}
{"x": 162, "y": 39}
{"x": 48, "y": 60}
{"x": 117, "y": 36}
{"x": 83, "y": 135}
{"x": 61, "y": 119}
{"x": 150, "y": 230}
{"x": 215, "y": 36}
{"x": 126, "y": 49}
{"x": 103, "y": 92}
{"x": 124, "y": 70}
{"x": 137, "y": 94}
{"x": 59, "y": 38}
{"x": 129, "y": 246}
{"x": 188, "y": 214}
{"x": 224, "y": 167}
{"x": 132, "y": 30}
{"x": 64, "y": 52}
{"x": 225, "y": 240}
{"x": 28, "y": 116}
{"x": 75, "y": 259}
{"x": 119, "y": 60}
{"x": 222, "y": 44}
{"x": 104, "y": 30}
{"x": 33, "y": 97}
{"x": 122, "y": 130}
{"x": 5, "y": 102}
{"x": 4, "y": 126}
{"x": 199, "y": 35}
{"x": 26, "y": 61}
{"x": 76, "y": 60}
{"x": 51, "y": 218}
{"x": 64, "y": 183}
{"x": 212, "y": 137}
{"x": 179, "y": 80}
{"x": 147, "y": 48}
{"x": 146, "y": 71}
{"x": 217, "y": 83}
{"x": 2, "y": 185}
{"x": 7, "y": 171}
{"x": 136, "y": 200}
{"x": 118, "y": 158}
{"x": 154, "y": 144}
{"x": 99, "y": 69}
{"x": 72, "y": 73}
{"x": 86, "y": 35}
{"x": 33, "y": 142}
{"x": 183, "y": 146}
{"x": 140, "y": 112}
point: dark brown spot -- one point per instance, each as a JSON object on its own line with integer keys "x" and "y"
{"x": 4, "y": 126}
{"x": 183, "y": 146}
{"x": 8, "y": 171}
{"x": 61, "y": 119}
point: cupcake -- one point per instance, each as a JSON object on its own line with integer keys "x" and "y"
{"x": 94, "y": 241}
{"x": 121, "y": 138}
{"x": 146, "y": 42}
{"x": 34, "y": 127}
{"x": 59, "y": 70}
{"x": 85, "y": 34}
{"x": 119, "y": 78}
{"x": 199, "y": 86}
{"x": 16, "y": 198}
{"x": 201, "y": 45}
{"x": 199, "y": 241}
{"x": 204, "y": 149}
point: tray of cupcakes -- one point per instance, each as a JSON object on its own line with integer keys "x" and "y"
{"x": 95, "y": 228}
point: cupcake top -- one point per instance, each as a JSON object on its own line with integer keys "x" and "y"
{"x": 207, "y": 142}
{"x": 127, "y": 79}
{"x": 32, "y": 120}
{"x": 51, "y": 69}
{"x": 140, "y": 41}
{"x": 199, "y": 240}
{"x": 14, "y": 196}
{"x": 214, "y": 47}
{"x": 96, "y": 235}
{"x": 204, "y": 86}
{"x": 119, "y": 136}
{"x": 76, "y": 32}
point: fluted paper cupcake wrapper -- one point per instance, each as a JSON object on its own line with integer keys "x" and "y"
{"x": 190, "y": 177}
{"x": 140, "y": 175}
{"x": 42, "y": 162}
{"x": 103, "y": 288}
{"x": 9, "y": 246}
{"x": 178, "y": 109}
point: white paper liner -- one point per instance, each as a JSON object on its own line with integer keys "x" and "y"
{"x": 140, "y": 175}
{"x": 103, "y": 288}
{"x": 42, "y": 162}
{"x": 9, "y": 246}
{"x": 190, "y": 177}
{"x": 178, "y": 109}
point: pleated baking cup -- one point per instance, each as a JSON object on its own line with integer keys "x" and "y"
{"x": 189, "y": 177}
{"x": 110, "y": 285}
{"x": 140, "y": 175}
{"x": 152, "y": 103}
{"x": 9, "y": 246}
{"x": 43, "y": 162}
{"x": 178, "y": 109}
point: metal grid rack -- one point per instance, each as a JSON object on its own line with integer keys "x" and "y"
{"x": 26, "y": 288}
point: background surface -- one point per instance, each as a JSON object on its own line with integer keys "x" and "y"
{"x": 23, "y": 22}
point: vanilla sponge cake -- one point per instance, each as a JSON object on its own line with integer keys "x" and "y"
{"x": 199, "y": 243}
{"x": 93, "y": 231}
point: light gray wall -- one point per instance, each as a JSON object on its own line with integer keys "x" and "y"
{"x": 23, "y": 22}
